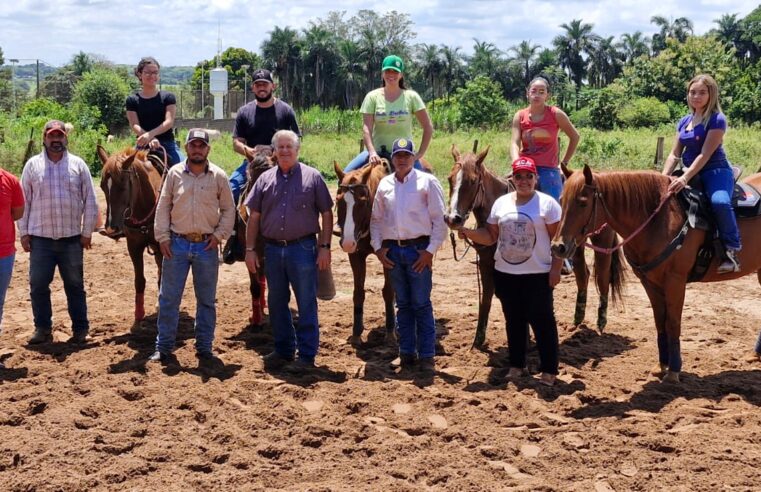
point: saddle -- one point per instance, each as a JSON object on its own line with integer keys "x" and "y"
{"x": 746, "y": 202}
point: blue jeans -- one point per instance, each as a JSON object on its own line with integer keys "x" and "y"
{"x": 718, "y": 184}
{"x": 67, "y": 255}
{"x": 550, "y": 181}
{"x": 6, "y": 271}
{"x": 173, "y": 154}
{"x": 364, "y": 157}
{"x": 294, "y": 265}
{"x": 174, "y": 273}
{"x": 238, "y": 180}
{"x": 414, "y": 311}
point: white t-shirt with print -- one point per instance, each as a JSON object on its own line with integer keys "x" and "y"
{"x": 524, "y": 244}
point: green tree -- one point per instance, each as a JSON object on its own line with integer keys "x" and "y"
{"x": 481, "y": 103}
{"x": 106, "y": 91}
{"x": 81, "y": 63}
{"x": 430, "y": 67}
{"x": 679, "y": 29}
{"x": 634, "y": 45}
{"x": 6, "y": 94}
{"x": 453, "y": 68}
{"x": 573, "y": 46}
{"x": 232, "y": 59}
{"x": 281, "y": 52}
{"x": 525, "y": 54}
{"x": 605, "y": 62}
{"x": 749, "y": 48}
{"x": 485, "y": 59}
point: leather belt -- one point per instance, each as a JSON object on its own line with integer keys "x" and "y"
{"x": 193, "y": 237}
{"x": 405, "y": 242}
{"x": 288, "y": 242}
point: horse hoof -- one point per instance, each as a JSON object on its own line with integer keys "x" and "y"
{"x": 390, "y": 338}
{"x": 671, "y": 377}
{"x": 659, "y": 370}
{"x": 356, "y": 341}
{"x": 139, "y": 314}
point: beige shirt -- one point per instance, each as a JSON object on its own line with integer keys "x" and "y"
{"x": 189, "y": 203}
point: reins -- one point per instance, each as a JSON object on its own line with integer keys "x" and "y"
{"x": 142, "y": 224}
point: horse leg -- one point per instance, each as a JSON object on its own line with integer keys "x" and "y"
{"x": 658, "y": 304}
{"x": 602, "y": 278}
{"x": 486, "y": 273}
{"x": 581, "y": 273}
{"x": 257, "y": 313}
{"x": 388, "y": 301}
{"x": 674, "y": 304}
{"x": 358, "y": 262}
{"x": 136, "y": 255}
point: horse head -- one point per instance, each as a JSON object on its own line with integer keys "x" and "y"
{"x": 354, "y": 201}
{"x": 581, "y": 214}
{"x": 465, "y": 183}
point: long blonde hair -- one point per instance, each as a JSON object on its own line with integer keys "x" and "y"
{"x": 713, "y": 105}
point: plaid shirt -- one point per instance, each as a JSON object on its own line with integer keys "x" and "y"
{"x": 60, "y": 198}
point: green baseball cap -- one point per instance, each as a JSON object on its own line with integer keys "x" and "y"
{"x": 393, "y": 62}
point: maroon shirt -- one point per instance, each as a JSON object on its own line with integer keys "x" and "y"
{"x": 289, "y": 204}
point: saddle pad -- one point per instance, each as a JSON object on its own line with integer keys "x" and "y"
{"x": 745, "y": 200}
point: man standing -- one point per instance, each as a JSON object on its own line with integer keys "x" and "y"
{"x": 406, "y": 228}
{"x": 194, "y": 214}
{"x": 257, "y": 122}
{"x": 56, "y": 227}
{"x": 285, "y": 205}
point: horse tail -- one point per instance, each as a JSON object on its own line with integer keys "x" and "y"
{"x": 617, "y": 274}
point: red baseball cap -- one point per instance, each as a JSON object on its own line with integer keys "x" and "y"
{"x": 54, "y": 126}
{"x": 524, "y": 164}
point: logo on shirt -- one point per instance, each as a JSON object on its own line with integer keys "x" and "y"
{"x": 517, "y": 237}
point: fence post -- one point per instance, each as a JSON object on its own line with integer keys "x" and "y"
{"x": 658, "y": 161}
{"x": 361, "y": 145}
{"x": 475, "y": 146}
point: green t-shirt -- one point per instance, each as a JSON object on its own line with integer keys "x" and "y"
{"x": 392, "y": 119}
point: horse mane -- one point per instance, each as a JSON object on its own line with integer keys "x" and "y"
{"x": 114, "y": 164}
{"x": 636, "y": 192}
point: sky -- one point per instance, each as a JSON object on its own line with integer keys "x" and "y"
{"x": 184, "y": 32}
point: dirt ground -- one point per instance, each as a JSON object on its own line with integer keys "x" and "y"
{"x": 99, "y": 417}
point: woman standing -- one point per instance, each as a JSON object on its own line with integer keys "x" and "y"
{"x": 150, "y": 112}
{"x": 387, "y": 115}
{"x": 11, "y": 209}
{"x": 523, "y": 223}
{"x": 535, "y": 135}
{"x": 698, "y": 143}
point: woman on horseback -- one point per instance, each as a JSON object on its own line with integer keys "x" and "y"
{"x": 535, "y": 135}
{"x": 150, "y": 112}
{"x": 387, "y": 115}
{"x": 699, "y": 136}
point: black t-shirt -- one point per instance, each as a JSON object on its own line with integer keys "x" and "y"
{"x": 258, "y": 125}
{"x": 151, "y": 112}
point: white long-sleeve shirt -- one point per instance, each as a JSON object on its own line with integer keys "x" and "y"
{"x": 409, "y": 209}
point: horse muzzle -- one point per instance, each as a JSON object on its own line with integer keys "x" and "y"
{"x": 349, "y": 245}
{"x": 112, "y": 233}
{"x": 454, "y": 221}
{"x": 563, "y": 249}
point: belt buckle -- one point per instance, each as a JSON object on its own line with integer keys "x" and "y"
{"x": 194, "y": 237}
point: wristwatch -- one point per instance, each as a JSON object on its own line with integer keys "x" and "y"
{"x": 325, "y": 245}
{"x": 250, "y": 249}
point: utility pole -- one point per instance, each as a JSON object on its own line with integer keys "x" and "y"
{"x": 37, "y": 92}
{"x": 245, "y": 83}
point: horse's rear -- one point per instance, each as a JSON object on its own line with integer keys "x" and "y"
{"x": 131, "y": 183}
{"x": 354, "y": 203}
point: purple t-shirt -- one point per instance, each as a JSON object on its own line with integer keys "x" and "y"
{"x": 694, "y": 139}
{"x": 290, "y": 204}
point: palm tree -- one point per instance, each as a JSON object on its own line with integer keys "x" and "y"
{"x": 525, "y": 53}
{"x": 431, "y": 65}
{"x": 577, "y": 41}
{"x": 729, "y": 29}
{"x": 350, "y": 70}
{"x": 279, "y": 52}
{"x": 81, "y": 63}
{"x": 319, "y": 49}
{"x": 453, "y": 68}
{"x": 605, "y": 62}
{"x": 679, "y": 29}
{"x": 634, "y": 45}
{"x": 484, "y": 60}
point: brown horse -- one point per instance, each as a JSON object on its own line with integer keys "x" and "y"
{"x": 259, "y": 160}
{"x": 354, "y": 201}
{"x": 637, "y": 206}
{"x": 473, "y": 187}
{"x": 131, "y": 182}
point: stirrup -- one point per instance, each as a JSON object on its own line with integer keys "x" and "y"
{"x": 730, "y": 264}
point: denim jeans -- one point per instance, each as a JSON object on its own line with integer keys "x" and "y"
{"x": 363, "y": 158}
{"x": 174, "y": 273}
{"x": 414, "y": 311}
{"x": 550, "y": 181}
{"x": 6, "y": 271}
{"x": 67, "y": 255}
{"x": 527, "y": 299}
{"x": 294, "y": 266}
{"x": 718, "y": 185}
{"x": 238, "y": 180}
{"x": 173, "y": 154}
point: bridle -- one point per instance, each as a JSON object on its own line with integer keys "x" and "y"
{"x": 144, "y": 225}
{"x": 352, "y": 189}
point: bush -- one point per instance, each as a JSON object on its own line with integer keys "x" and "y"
{"x": 582, "y": 117}
{"x": 481, "y": 103}
{"x": 603, "y": 110}
{"x": 643, "y": 111}
{"x": 106, "y": 91}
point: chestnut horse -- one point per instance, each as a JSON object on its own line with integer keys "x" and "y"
{"x": 259, "y": 160}
{"x": 131, "y": 181}
{"x": 473, "y": 187}
{"x": 354, "y": 201}
{"x": 637, "y": 206}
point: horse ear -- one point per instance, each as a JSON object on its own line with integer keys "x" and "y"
{"x": 567, "y": 172}
{"x": 126, "y": 163}
{"x": 366, "y": 172}
{"x": 481, "y": 156}
{"x": 102, "y": 154}
{"x": 588, "y": 175}
{"x": 339, "y": 172}
{"x": 455, "y": 153}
